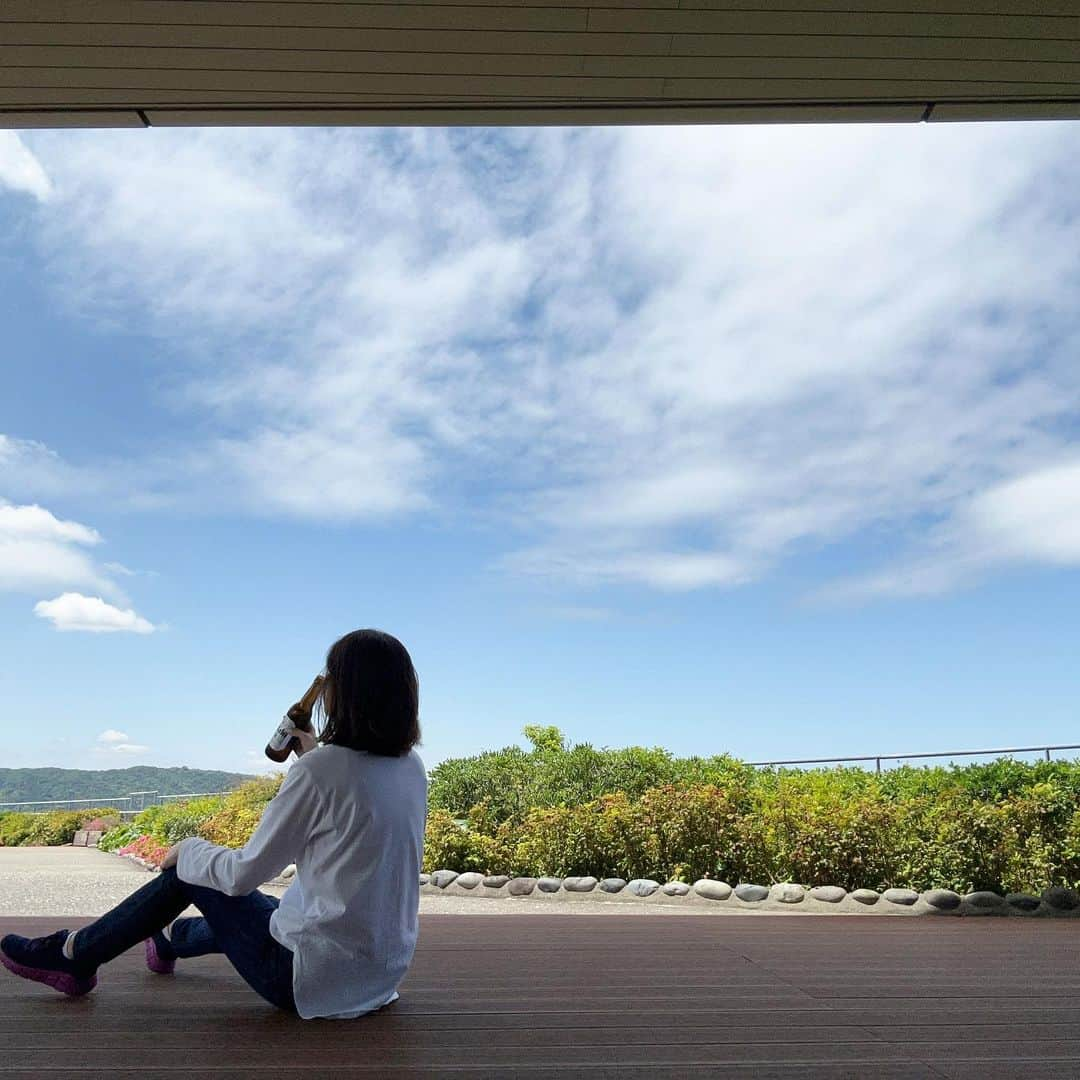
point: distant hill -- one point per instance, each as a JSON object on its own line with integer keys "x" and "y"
{"x": 29, "y": 785}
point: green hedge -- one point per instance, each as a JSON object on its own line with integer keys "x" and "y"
{"x": 512, "y": 781}
{"x": 49, "y": 829}
{"x": 797, "y": 829}
{"x": 563, "y": 810}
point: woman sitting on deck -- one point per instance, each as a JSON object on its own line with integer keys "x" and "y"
{"x": 350, "y": 814}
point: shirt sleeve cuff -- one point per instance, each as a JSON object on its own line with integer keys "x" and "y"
{"x": 193, "y": 860}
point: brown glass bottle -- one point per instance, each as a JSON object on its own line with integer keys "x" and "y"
{"x": 282, "y": 744}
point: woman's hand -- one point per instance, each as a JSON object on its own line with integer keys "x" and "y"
{"x": 172, "y": 857}
{"x": 305, "y": 741}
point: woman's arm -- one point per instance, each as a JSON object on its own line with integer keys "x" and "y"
{"x": 280, "y": 835}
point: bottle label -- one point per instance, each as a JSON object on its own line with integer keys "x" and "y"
{"x": 283, "y": 736}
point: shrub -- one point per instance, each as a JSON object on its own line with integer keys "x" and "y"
{"x": 235, "y": 820}
{"x": 822, "y": 827}
{"x": 476, "y": 844}
{"x": 117, "y": 837}
{"x": 51, "y": 828}
{"x": 55, "y": 827}
{"x": 231, "y": 826}
{"x": 257, "y": 792}
{"x": 15, "y": 828}
{"x": 513, "y": 781}
{"x": 804, "y": 829}
{"x": 228, "y": 820}
{"x": 172, "y": 822}
{"x": 668, "y": 833}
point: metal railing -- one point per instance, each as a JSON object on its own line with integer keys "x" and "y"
{"x": 195, "y": 795}
{"x": 126, "y": 805}
{"x": 879, "y": 758}
{"x": 63, "y": 804}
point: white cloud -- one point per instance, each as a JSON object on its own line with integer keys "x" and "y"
{"x": 1036, "y": 516}
{"x": 117, "y": 742}
{"x": 73, "y": 611}
{"x": 30, "y": 470}
{"x": 674, "y": 356}
{"x": 39, "y": 550}
{"x": 36, "y": 523}
{"x": 20, "y": 170}
{"x": 1032, "y": 519}
{"x": 672, "y": 571}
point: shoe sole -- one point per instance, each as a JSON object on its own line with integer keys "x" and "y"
{"x": 58, "y": 980}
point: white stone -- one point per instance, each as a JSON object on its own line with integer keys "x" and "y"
{"x": 579, "y": 884}
{"x": 712, "y": 890}
{"x": 831, "y": 894}
{"x": 787, "y": 893}
{"x": 750, "y": 893}
{"x": 907, "y": 897}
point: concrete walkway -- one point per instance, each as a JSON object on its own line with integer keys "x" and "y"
{"x": 64, "y": 880}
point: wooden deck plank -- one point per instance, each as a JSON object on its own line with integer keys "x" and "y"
{"x": 601, "y": 996}
{"x": 540, "y": 1071}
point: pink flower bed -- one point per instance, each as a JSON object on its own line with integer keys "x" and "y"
{"x": 146, "y": 849}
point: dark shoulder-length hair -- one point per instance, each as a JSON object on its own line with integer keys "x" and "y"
{"x": 371, "y": 696}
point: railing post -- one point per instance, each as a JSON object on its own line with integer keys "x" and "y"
{"x": 1048, "y": 753}
{"x": 878, "y": 764}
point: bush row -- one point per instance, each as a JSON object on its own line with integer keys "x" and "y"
{"x": 50, "y": 829}
{"x": 228, "y": 820}
{"x": 511, "y": 782}
{"x": 800, "y": 829}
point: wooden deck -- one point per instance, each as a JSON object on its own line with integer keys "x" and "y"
{"x": 602, "y": 996}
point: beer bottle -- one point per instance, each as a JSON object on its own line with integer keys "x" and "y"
{"x": 284, "y": 741}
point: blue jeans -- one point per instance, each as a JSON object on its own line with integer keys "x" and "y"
{"x": 238, "y": 926}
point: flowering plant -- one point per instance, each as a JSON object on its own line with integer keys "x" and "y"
{"x": 145, "y": 848}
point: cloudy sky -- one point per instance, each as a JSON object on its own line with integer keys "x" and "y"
{"x": 760, "y": 440}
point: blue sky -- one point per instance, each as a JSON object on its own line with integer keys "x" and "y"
{"x": 758, "y": 440}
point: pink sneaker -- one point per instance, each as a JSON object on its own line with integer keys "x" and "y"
{"x": 155, "y": 961}
{"x": 42, "y": 960}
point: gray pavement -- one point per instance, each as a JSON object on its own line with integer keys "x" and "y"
{"x": 64, "y": 880}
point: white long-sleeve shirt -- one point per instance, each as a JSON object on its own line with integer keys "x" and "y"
{"x": 353, "y": 823}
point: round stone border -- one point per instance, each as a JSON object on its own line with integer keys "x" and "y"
{"x": 706, "y": 893}
{"x": 779, "y": 897}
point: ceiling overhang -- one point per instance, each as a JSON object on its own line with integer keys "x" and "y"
{"x": 133, "y": 63}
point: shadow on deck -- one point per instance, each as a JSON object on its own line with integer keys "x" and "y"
{"x": 600, "y": 996}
